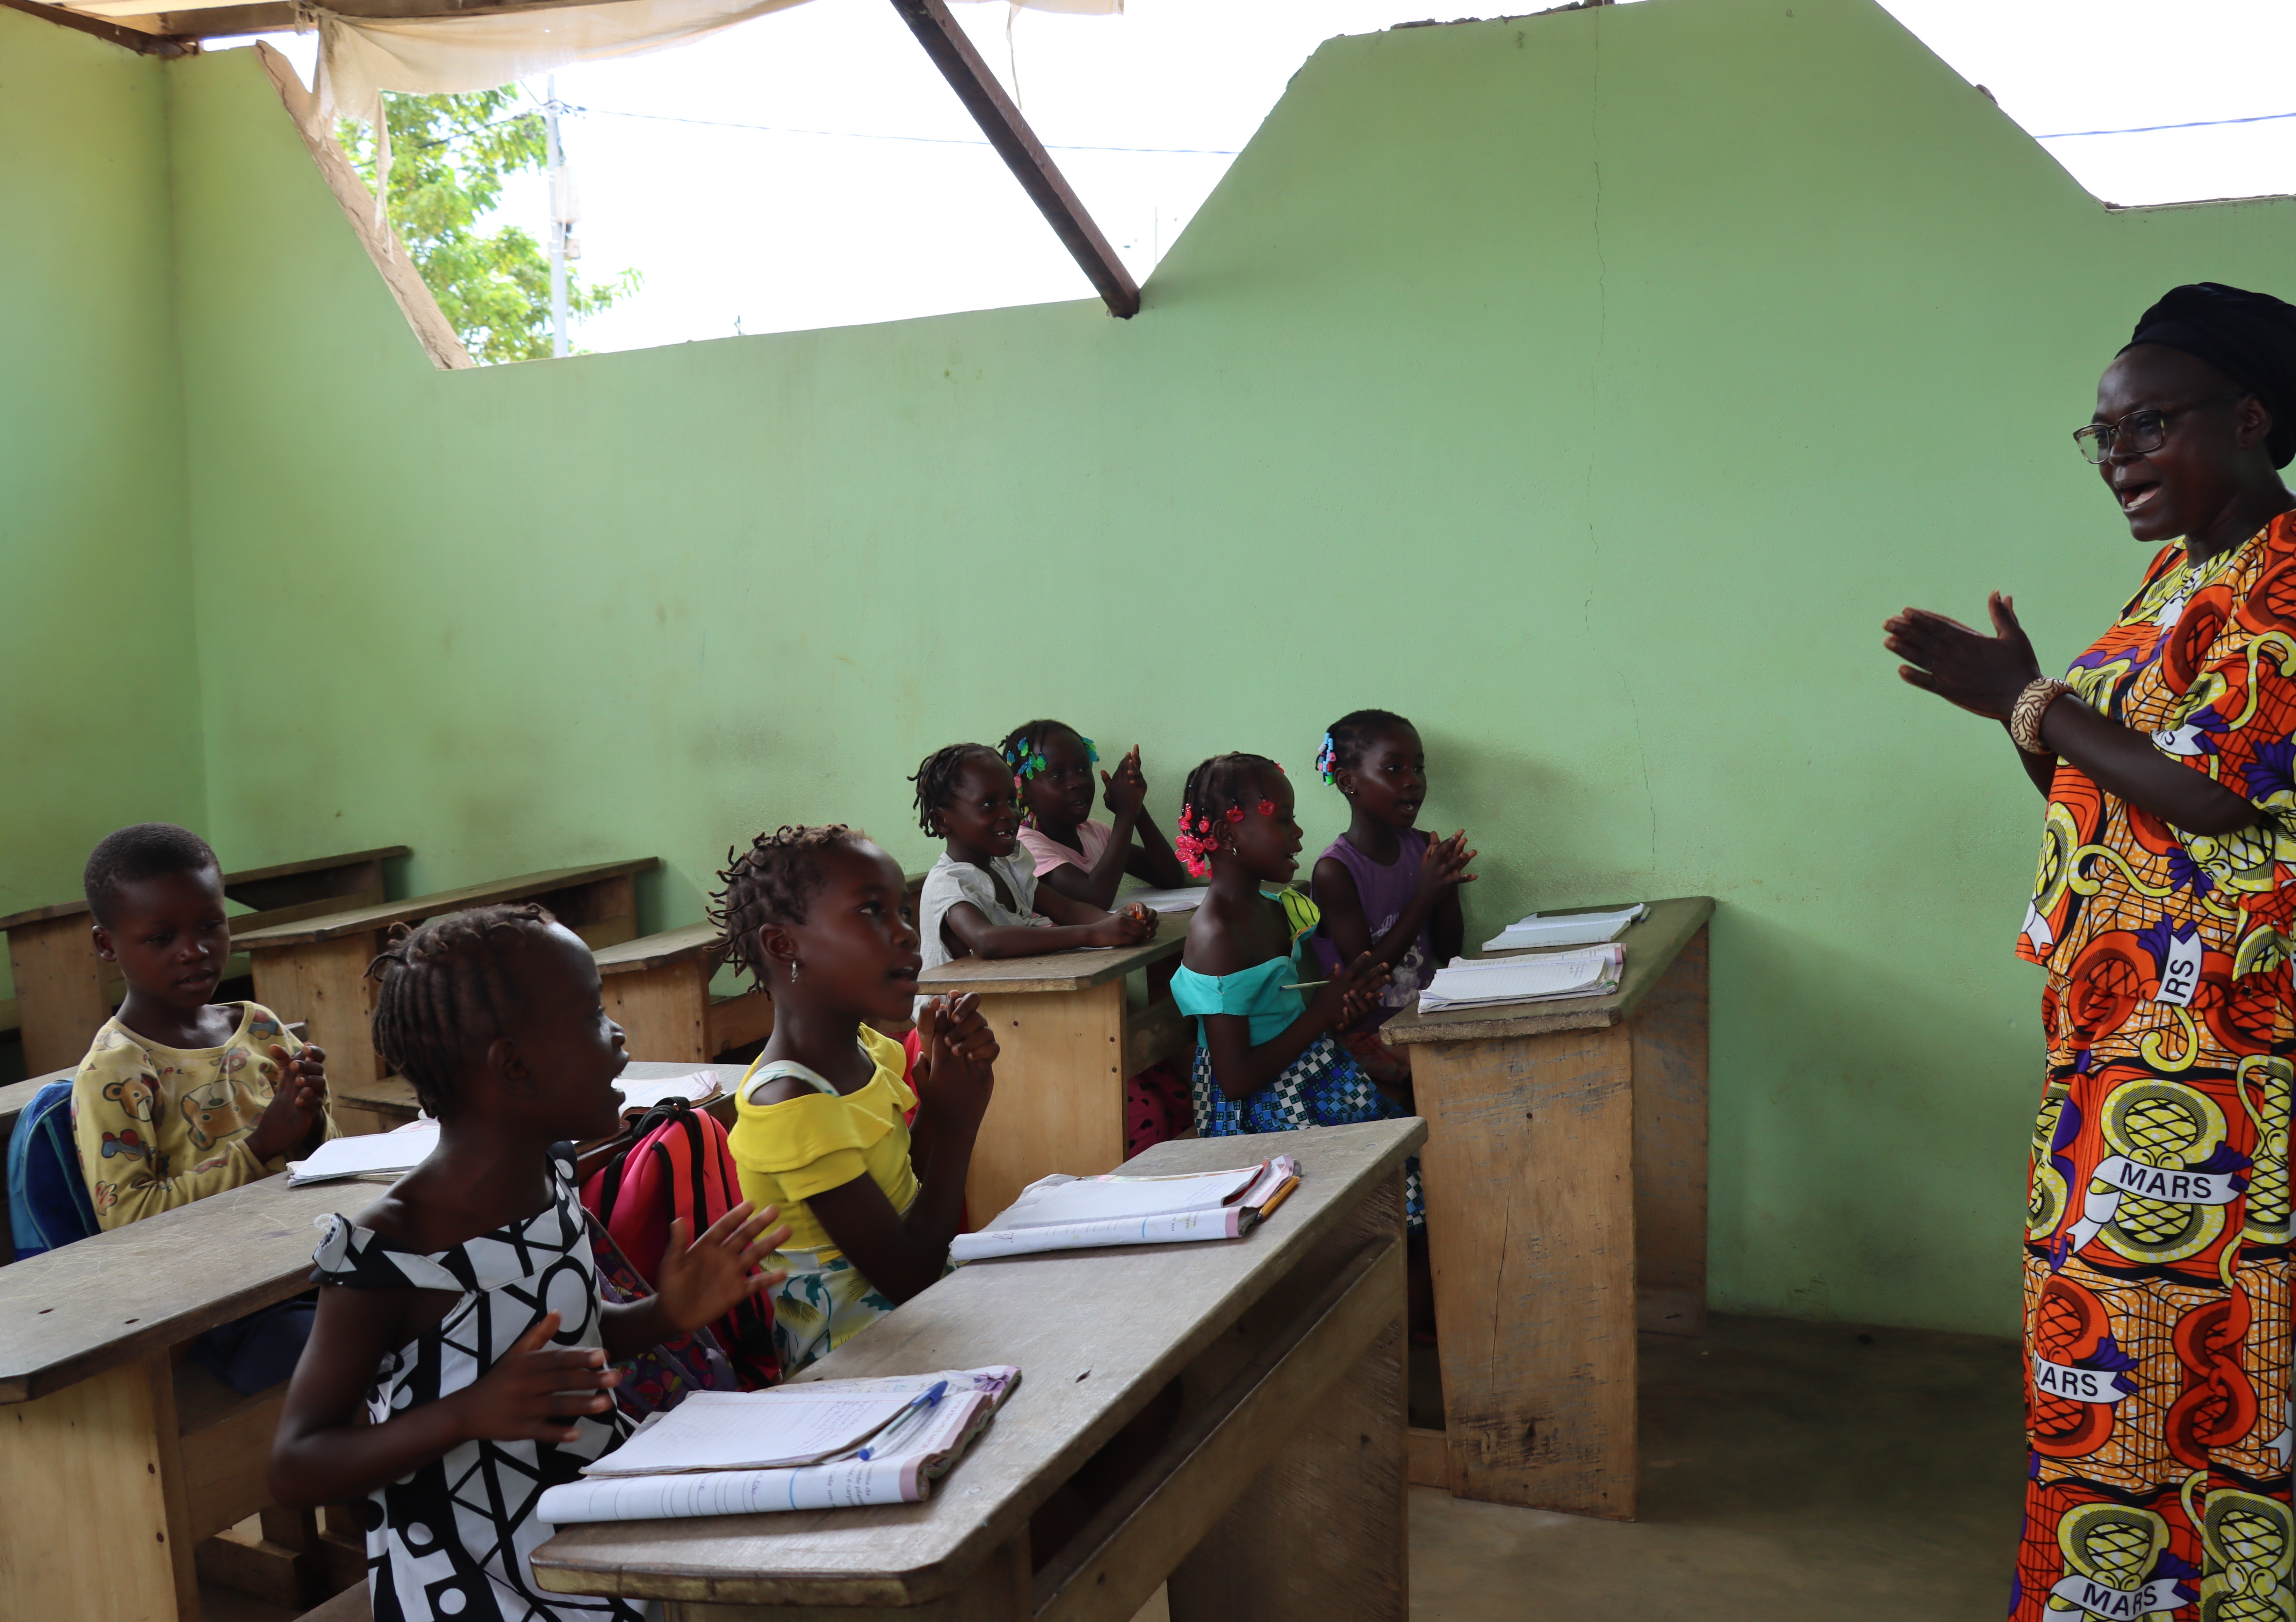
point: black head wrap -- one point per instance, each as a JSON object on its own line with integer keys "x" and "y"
{"x": 2249, "y": 337}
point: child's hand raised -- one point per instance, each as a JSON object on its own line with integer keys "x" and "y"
{"x": 959, "y": 1055}
{"x": 534, "y": 1390}
{"x": 299, "y": 1101}
{"x": 1351, "y": 992}
{"x": 1129, "y": 928}
{"x": 704, "y": 1281}
{"x": 1443, "y": 865}
{"x": 1124, "y": 789}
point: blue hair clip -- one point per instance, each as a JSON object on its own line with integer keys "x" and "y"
{"x": 1327, "y": 758}
{"x": 1091, "y": 753}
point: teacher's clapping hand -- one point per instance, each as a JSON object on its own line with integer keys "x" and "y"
{"x": 1982, "y": 673}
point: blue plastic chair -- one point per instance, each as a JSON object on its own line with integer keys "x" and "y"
{"x": 47, "y": 1197}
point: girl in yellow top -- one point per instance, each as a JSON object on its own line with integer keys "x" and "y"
{"x": 818, "y": 917}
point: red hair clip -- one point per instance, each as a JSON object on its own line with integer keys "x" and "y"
{"x": 1235, "y": 813}
{"x": 1266, "y": 807}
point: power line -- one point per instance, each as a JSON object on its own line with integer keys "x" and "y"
{"x": 856, "y": 135}
{"x": 2146, "y": 129}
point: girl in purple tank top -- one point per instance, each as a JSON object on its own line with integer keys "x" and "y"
{"x": 1384, "y": 887}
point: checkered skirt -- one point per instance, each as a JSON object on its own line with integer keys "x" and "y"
{"x": 1321, "y": 1088}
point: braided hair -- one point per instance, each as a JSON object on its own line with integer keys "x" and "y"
{"x": 1351, "y": 735}
{"x": 1218, "y": 790}
{"x": 1023, "y": 748}
{"x": 773, "y": 881}
{"x": 447, "y": 990}
{"x": 936, "y": 779}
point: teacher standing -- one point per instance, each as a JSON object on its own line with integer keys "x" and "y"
{"x": 2157, "y": 1276}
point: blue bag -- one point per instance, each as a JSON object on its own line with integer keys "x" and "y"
{"x": 47, "y": 1197}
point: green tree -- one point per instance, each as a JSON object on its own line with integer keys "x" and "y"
{"x": 449, "y": 155}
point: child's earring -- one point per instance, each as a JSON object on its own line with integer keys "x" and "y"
{"x": 797, "y": 967}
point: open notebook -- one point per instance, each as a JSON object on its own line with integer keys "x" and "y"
{"x": 1591, "y": 971}
{"x": 816, "y": 1445}
{"x": 1065, "y": 1213}
{"x": 1564, "y": 930}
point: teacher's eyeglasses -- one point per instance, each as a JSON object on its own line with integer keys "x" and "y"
{"x": 2136, "y": 434}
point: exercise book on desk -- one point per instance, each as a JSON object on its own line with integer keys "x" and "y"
{"x": 1065, "y": 1213}
{"x": 697, "y": 1088}
{"x": 861, "y": 1441}
{"x": 1564, "y": 930}
{"x": 371, "y": 1154}
{"x": 1476, "y": 982}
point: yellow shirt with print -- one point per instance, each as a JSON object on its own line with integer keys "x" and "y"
{"x": 157, "y": 1127}
{"x": 790, "y": 1151}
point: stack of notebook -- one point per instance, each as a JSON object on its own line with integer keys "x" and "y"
{"x": 1065, "y": 1213}
{"x": 819, "y": 1445}
{"x": 1564, "y": 930}
{"x": 1183, "y": 900}
{"x": 1592, "y": 971}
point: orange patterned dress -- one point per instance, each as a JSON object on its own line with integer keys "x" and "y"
{"x": 2157, "y": 1313}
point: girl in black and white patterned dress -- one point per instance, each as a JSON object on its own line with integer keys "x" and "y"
{"x": 462, "y": 1309}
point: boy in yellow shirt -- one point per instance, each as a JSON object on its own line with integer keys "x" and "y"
{"x": 179, "y": 1098}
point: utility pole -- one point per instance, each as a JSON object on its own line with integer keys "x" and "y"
{"x": 563, "y": 213}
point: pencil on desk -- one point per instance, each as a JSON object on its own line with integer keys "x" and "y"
{"x": 1281, "y": 1194}
{"x": 1306, "y": 985}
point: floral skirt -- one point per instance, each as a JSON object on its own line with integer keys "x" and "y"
{"x": 825, "y": 1302}
{"x": 1321, "y": 1088}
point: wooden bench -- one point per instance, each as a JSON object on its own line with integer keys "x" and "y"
{"x": 64, "y": 992}
{"x": 1069, "y": 1036}
{"x": 657, "y": 991}
{"x": 1277, "y": 1492}
{"x": 315, "y": 968}
{"x": 389, "y": 1102}
{"x": 1565, "y": 1173}
{"x": 115, "y": 1461}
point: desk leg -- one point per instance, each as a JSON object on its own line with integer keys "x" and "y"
{"x": 324, "y": 984}
{"x": 1059, "y": 1103}
{"x": 664, "y": 1012}
{"x": 94, "y": 1523}
{"x": 999, "y": 1591}
{"x": 61, "y": 986}
{"x": 1322, "y": 1533}
{"x": 1530, "y": 1224}
{"x": 1669, "y": 1040}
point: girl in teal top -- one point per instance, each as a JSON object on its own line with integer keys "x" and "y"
{"x": 1265, "y": 1058}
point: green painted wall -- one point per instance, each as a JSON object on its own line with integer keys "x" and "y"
{"x": 1587, "y": 387}
{"x": 100, "y": 726}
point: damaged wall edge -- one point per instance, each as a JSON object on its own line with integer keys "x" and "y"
{"x": 431, "y": 328}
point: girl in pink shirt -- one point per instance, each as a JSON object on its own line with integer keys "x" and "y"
{"x": 1081, "y": 858}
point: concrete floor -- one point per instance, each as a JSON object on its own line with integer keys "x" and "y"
{"x": 1792, "y": 1472}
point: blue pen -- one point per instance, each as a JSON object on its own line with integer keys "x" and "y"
{"x": 926, "y": 1399}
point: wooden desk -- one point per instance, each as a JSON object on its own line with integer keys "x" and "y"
{"x": 1069, "y": 1037}
{"x": 115, "y": 1462}
{"x": 63, "y": 989}
{"x": 1280, "y": 1496}
{"x": 1565, "y": 1173}
{"x": 657, "y": 991}
{"x": 315, "y": 968}
{"x": 389, "y": 1102}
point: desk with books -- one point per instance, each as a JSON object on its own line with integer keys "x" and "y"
{"x": 1565, "y": 1173}
{"x": 116, "y": 1460}
{"x": 1278, "y": 1493}
{"x": 1069, "y": 1036}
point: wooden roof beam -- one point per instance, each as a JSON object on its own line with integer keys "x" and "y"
{"x": 1000, "y": 120}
